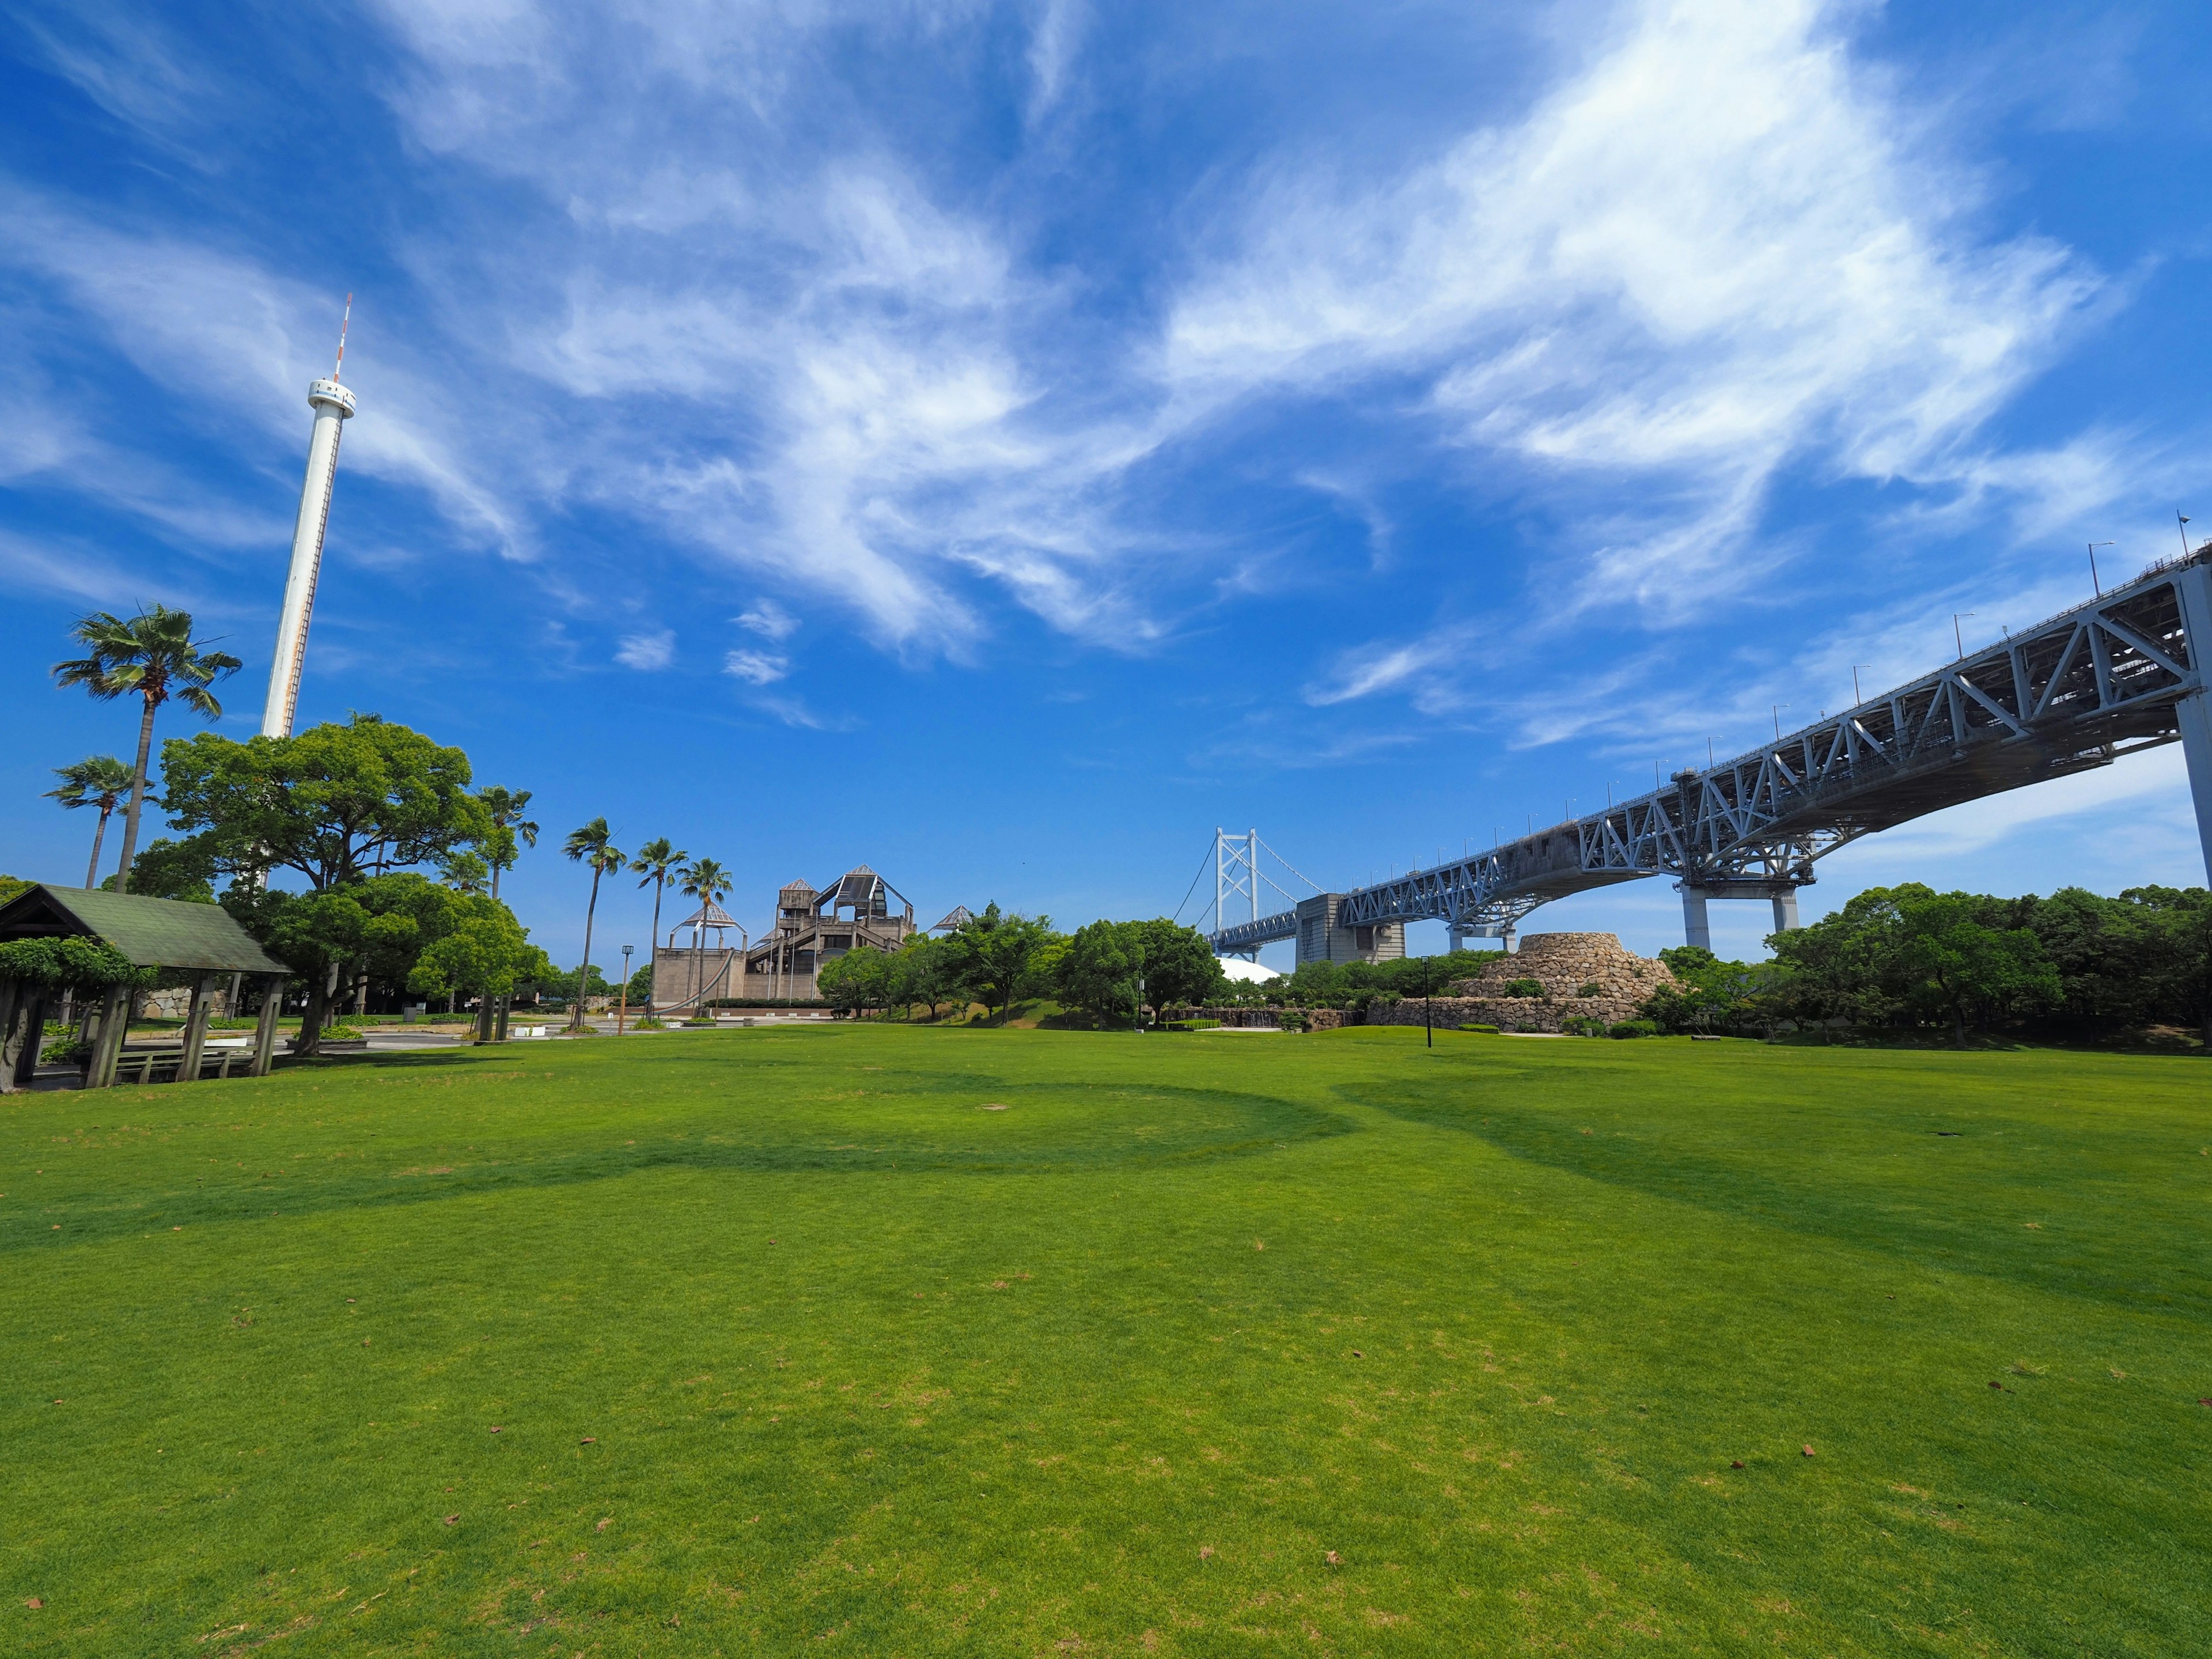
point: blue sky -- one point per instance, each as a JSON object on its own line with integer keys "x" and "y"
{"x": 1001, "y": 443}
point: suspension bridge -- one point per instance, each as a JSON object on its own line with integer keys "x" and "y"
{"x": 2126, "y": 672}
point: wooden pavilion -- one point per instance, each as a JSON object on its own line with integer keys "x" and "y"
{"x": 160, "y": 934}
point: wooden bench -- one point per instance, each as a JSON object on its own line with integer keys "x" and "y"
{"x": 152, "y": 1064}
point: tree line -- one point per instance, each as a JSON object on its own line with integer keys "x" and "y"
{"x": 2074, "y": 963}
{"x": 1111, "y": 972}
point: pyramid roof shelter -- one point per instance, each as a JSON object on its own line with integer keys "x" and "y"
{"x": 709, "y": 914}
{"x": 955, "y": 919}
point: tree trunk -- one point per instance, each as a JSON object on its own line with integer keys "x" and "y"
{"x": 310, "y": 1020}
{"x": 137, "y": 798}
{"x": 99, "y": 834}
{"x": 653, "y": 943}
{"x": 584, "y": 973}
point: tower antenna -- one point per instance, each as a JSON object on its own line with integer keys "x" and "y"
{"x": 338, "y": 374}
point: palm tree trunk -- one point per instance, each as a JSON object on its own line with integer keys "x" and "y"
{"x": 99, "y": 834}
{"x": 137, "y": 798}
{"x": 584, "y": 973}
{"x": 658, "y": 882}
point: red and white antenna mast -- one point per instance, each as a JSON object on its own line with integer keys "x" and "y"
{"x": 338, "y": 374}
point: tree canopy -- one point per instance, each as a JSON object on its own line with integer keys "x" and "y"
{"x": 338, "y": 803}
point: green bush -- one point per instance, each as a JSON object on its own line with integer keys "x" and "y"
{"x": 1583, "y": 1025}
{"x": 1484, "y": 1031}
{"x": 1634, "y": 1028}
{"x": 1523, "y": 988}
{"x": 1592, "y": 989}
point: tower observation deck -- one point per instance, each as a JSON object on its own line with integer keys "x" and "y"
{"x": 2129, "y": 670}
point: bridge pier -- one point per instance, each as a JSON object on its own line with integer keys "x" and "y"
{"x": 1321, "y": 938}
{"x": 1696, "y": 922}
{"x": 1697, "y": 926}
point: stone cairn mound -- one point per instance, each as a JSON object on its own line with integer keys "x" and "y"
{"x": 1564, "y": 965}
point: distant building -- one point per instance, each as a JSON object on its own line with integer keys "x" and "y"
{"x": 813, "y": 926}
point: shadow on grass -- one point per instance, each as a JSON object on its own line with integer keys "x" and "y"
{"x": 695, "y": 1125}
{"x": 1940, "y": 1178}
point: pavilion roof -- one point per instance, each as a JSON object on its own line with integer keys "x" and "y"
{"x": 709, "y": 914}
{"x": 149, "y": 932}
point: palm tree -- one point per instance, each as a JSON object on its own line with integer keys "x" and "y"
{"x": 99, "y": 780}
{"x": 592, "y": 844}
{"x": 705, "y": 880}
{"x": 508, "y": 827}
{"x": 654, "y": 862}
{"x": 154, "y": 657}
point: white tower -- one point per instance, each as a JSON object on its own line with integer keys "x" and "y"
{"x": 333, "y": 407}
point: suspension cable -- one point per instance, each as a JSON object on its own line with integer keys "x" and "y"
{"x": 1292, "y": 868}
{"x": 1193, "y": 888}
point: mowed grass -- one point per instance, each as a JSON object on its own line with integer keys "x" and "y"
{"x": 782, "y": 1342}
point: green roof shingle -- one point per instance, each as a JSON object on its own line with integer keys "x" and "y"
{"x": 152, "y": 932}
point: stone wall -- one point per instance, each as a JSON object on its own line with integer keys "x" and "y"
{"x": 1563, "y": 963}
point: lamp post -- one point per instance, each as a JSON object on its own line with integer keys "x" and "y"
{"x": 1959, "y": 638}
{"x": 622, "y": 1014}
{"x": 1140, "y": 1005}
{"x": 2096, "y": 581}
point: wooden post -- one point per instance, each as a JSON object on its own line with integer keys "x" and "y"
{"x": 11, "y": 1002}
{"x": 265, "y": 1034}
{"x": 196, "y": 1028}
{"x": 108, "y": 1048}
{"x": 506, "y": 1007}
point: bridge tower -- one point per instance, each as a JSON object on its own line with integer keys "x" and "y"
{"x": 1235, "y": 876}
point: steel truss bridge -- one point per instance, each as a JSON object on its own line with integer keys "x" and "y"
{"x": 2124, "y": 672}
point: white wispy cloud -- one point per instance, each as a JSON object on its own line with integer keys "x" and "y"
{"x": 769, "y": 620}
{"x": 755, "y": 667}
{"x": 647, "y": 652}
{"x": 738, "y": 308}
{"x": 1720, "y": 248}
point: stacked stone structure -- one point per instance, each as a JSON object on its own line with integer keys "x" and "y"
{"x": 1563, "y": 963}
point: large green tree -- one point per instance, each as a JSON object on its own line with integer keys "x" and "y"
{"x": 336, "y": 803}
{"x": 925, "y": 972}
{"x": 858, "y": 979}
{"x": 486, "y": 952}
{"x": 100, "y": 781}
{"x": 1097, "y": 972}
{"x": 155, "y": 658}
{"x": 994, "y": 954}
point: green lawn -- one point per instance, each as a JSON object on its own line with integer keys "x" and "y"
{"x": 1213, "y": 1345}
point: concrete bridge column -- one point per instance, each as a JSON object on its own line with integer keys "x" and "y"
{"x": 1697, "y": 926}
{"x": 1785, "y": 911}
{"x": 2195, "y": 712}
